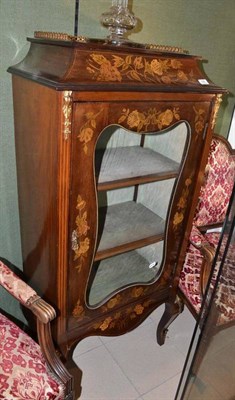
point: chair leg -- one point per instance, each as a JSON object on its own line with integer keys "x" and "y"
{"x": 172, "y": 310}
{"x": 76, "y": 373}
{"x": 53, "y": 360}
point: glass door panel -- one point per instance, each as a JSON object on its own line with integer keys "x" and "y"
{"x": 209, "y": 372}
{"x": 135, "y": 177}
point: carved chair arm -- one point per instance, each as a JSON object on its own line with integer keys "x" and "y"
{"x": 208, "y": 253}
{"x": 44, "y": 313}
{"x": 198, "y": 240}
{"x": 25, "y": 294}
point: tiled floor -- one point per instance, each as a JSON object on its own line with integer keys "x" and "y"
{"x": 133, "y": 366}
{"x": 215, "y": 376}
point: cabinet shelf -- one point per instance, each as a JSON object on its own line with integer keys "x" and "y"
{"x": 128, "y": 166}
{"x": 127, "y": 226}
{"x": 113, "y": 273}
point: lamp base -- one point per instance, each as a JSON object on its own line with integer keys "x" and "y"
{"x": 119, "y": 20}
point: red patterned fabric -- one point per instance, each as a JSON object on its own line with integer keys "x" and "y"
{"x": 196, "y": 237}
{"x": 211, "y": 209}
{"x": 190, "y": 277}
{"x": 190, "y": 274}
{"x": 217, "y": 188}
{"x": 190, "y": 281}
{"x": 225, "y": 293}
{"x": 23, "y": 371}
{"x": 14, "y": 285}
{"x": 212, "y": 238}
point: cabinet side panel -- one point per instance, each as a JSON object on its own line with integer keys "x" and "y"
{"x": 36, "y": 126}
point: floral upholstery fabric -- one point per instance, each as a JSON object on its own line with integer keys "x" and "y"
{"x": 211, "y": 209}
{"x": 14, "y": 285}
{"x": 196, "y": 237}
{"x": 190, "y": 277}
{"x": 23, "y": 371}
{"x": 190, "y": 274}
{"x": 212, "y": 238}
{"x": 225, "y": 293}
{"x": 217, "y": 188}
{"x": 190, "y": 281}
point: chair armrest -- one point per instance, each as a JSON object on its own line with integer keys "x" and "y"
{"x": 196, "y": 238}
{"x": 208, "y": 253}
{"x": 44, "y": 313}
{"x": 25, "y": 294}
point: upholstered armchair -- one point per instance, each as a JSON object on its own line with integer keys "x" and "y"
{"x": 210, "y": 214}
{"x": 29, "y": 370}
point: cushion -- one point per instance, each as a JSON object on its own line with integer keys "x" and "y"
{"x": 225, "y": 293}
{"x": 190, "y": 277}
{"x": 196, "y": 237}
{"x": 14, "y": 285}
{"x": 23, "y": 371}
{"x": 190, "y": 274}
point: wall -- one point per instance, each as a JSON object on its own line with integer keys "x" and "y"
{"x": 205, "y": 28}
{"x": 19, "y": 19}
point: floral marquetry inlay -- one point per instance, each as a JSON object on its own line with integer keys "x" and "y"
{"x": 158, "y": 70}
{"x": 78, "y": 311}
{"x": 182, "y": 204}
{"x": 121, "y": 319}
{"x": 199, "y": 119}
{"x": 86, "y": 131}
{"x": 152, "y": 118}
{"x": 80, "y": 239}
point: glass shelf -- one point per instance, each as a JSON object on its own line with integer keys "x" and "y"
{"x": 127, "y": 166}
{"x": 127, "y": 226}
{"x": 117, "y": 272}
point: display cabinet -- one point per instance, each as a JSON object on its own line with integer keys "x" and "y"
{"x": 111, "y": 144}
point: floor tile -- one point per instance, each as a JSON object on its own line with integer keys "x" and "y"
{"x": 181, "y": 331}
{"x": 165, "y": 391}
{"x": 218, "y": 370}
{"x": 102, "y": 378}
{"x": 221, "y": 339}
{"x": 201, "y": 390}
{"x": 143, "y": 361}
{"x": 87, "y": 344}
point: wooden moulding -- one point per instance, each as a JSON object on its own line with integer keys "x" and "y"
{"x": 71, "y": 65}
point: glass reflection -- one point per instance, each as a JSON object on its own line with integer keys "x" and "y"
{"x": 135, "y": 177}
{"x": 210, "y": 368}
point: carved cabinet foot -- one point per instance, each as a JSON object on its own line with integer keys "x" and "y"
{"x": 172, "y": 310}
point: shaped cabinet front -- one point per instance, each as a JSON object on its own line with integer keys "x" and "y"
{"x": 133, "y": 174}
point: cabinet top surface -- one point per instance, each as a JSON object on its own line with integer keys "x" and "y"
{"x": 92, "y": 64}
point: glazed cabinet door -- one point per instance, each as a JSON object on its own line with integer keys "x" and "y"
{"x": 134, "y": 168}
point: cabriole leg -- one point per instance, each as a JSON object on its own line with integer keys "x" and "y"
{"x": 172, "y": 310}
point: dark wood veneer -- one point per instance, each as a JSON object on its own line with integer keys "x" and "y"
{"x": 65, "y": 95}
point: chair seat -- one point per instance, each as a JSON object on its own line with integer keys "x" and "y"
{"x": 190, "y": 274}
{"x": 23, "y": 371}
{"x": 225, "y": 294}
{"x": 190, "y": 282}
